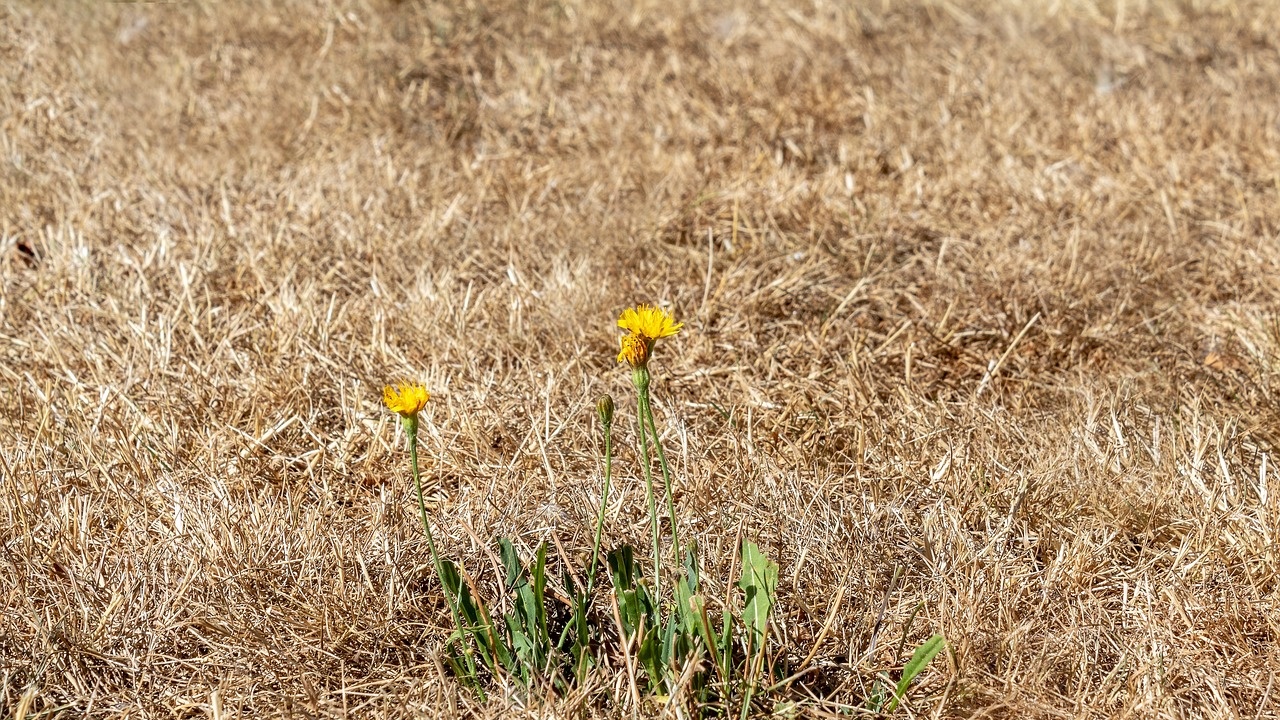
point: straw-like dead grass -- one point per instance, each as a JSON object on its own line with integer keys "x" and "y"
{"x": 985, "y": 293}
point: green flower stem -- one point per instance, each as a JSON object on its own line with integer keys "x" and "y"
{"x": 411, "y": 429}
{"x": 647, "y": 416}
{"x": 604, "y": 502}
{"x": 640, "y": 378}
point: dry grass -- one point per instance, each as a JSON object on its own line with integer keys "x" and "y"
{"x": 987, "y": 293}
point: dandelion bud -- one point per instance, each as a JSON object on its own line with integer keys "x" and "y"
{"x": 604, "y": 409}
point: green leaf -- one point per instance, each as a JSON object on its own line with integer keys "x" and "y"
{"x": 726, "y": 637}
{"x": 475, "y": 617}
{"x": 759, "y": 584}
{"x": 638, "y": 613}
{"x": 786, "y": 709}
{"x": 579, "y": 630}
{"x": 702, "y": 628}
{"x": 454, "y": 661}
{"x": 649, "y": 653}
{"x": 450, "y": 578}
{"x": 635, "y": 606}
{"x": 523, "y": 649}
{"x": 875, "y": 703}
{"x": 527, "y": 621}
{"x": 667, "y": 652}
{"x": 916, "y": 665}
{"x": 540, "y": 603}
{"x": 511, "y": 562}
{"x": 496, "y": 644}
{"x": 686, "y": 589}
{"x": 684, "y": 612}
{"x": 622, "y": 568}
{"x": 691, "y": 565}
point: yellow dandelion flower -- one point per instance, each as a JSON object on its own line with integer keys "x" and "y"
{"x": 406, "y": 399}
{"x": 645, "y": 324}
{"x": 649, "y": 322}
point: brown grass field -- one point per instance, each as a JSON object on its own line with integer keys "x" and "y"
{"x": 984, "y": 296}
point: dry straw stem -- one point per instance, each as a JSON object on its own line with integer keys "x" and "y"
{"x": 223, "y": 226}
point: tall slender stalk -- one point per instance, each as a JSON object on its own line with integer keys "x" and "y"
{"x": 411, "y": 429}
{"x": 648, "y": 482}
{"x": 646, "y": 412}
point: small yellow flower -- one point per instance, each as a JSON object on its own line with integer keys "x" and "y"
{"x": 648, "y": 321}
{"x": 646, "y": 324}
{"x": 407, "y": 399}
